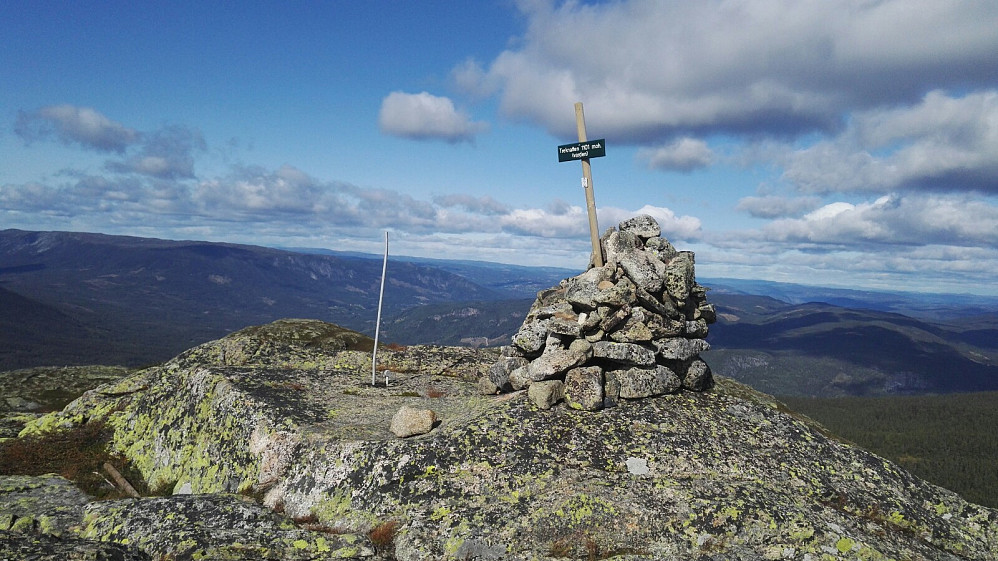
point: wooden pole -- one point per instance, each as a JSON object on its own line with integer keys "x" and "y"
{"x": 587, "y": 184}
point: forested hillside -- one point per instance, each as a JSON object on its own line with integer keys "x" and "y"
{"x": 949, "y": 440}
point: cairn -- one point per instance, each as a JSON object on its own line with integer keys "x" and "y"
{"x": 631, "y": 329}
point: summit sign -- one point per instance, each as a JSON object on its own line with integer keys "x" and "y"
{"x": 582, "y": 150}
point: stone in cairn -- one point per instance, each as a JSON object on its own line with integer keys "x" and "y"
{"x": 631, "y": 329}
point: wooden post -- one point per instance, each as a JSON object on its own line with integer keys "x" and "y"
{"x": 587, "y": 184}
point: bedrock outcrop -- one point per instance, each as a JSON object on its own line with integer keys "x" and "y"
{"x": 291, "y": 421}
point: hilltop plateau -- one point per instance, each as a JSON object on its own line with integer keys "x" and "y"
{"x": 271, "y": 443}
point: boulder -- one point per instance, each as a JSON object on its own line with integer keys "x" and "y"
{"x": 643, "y": 226}
{"x": 547, "y": 393}
{"x": 637, "y": 382}
{"x": 661, "y": 248}
{"x": 410, "y": 421}
{"x": 698, "y": 376}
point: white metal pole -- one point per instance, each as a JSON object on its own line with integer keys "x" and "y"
{"x": 377, "y": 324}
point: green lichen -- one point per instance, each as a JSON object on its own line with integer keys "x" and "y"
{"x": 845, "y": 545}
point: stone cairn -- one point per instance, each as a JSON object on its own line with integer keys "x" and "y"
{"x": 631, "y": 329}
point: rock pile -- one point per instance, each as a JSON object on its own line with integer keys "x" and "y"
{"x": 631, "y": 329}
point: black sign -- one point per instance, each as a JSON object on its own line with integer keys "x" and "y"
{"x": 582, "y": 150}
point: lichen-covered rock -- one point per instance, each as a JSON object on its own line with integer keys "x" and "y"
{"x": 680, "y": 348}
{"x": 717, "y": 474}
{"x": 584, "y": 388}
{"x": 499, "y": 371}
{"x": 626, "y": 353}
{"x": 638, "y": 382}
{"x": 698, "y": 376}
{"x": 643, "y": 226}
{"x": 47, "y": 504}
{"x": 215, "y": 527}
{"x": 45, "y": 547}
{"x": 680, "y": 276}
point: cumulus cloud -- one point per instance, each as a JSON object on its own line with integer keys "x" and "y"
{"x": 650, "y": 70}
{"x": 772, "y": 206}
{"x": 75, "y": 125}
{"x": 944, "y": 143}
{"x": 424, "y": 116}
{"x": 685, "y": 155}
{"x": 894, "y": 220}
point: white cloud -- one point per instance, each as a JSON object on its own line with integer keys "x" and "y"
{"x": 75, "y": 125}
{"x": 426, "y": 117}
{"x": 650, "y": 70}
{"x": 685, "y": 154}
{"x": 943, "y": 143}
{"x": 893, "y": 220}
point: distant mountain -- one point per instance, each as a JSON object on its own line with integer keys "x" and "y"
{"x": 474, "y": 324}
{"x": 142, "y": 300}
{"x": 512, "y": 281}
{"x": 922, "y": 305}
{"x": 824, "y": 350}
{"x": 71, "y": 298}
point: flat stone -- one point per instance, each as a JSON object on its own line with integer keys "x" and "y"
{"x": 409, "y": 421}
{"x": 617, "y": 295}
{"x": 565, "y": 327}
{"x": 625, "y": 353}
{"x": 581, "y": 291}
{"x": 531, "y": 336}
{"x": 664, "y": 306}
{"x": 680, "y": 348}
{"x": 554, "y": 362}
{"x": 520, "y": 378}
{"x": 616, "y": 319}
{"x": 620, "y": 244}
{"x": 633, "y": 331}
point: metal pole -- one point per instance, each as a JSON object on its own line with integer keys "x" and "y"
{"x": 377, "y": 324}
{"x": 587, "y": 184}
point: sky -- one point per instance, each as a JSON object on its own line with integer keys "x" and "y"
{"x": 845, "y": 143}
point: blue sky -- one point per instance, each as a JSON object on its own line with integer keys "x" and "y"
{"x": 839, "y": 143}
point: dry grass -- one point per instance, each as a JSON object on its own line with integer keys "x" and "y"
{"x": 78, "y": 454}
